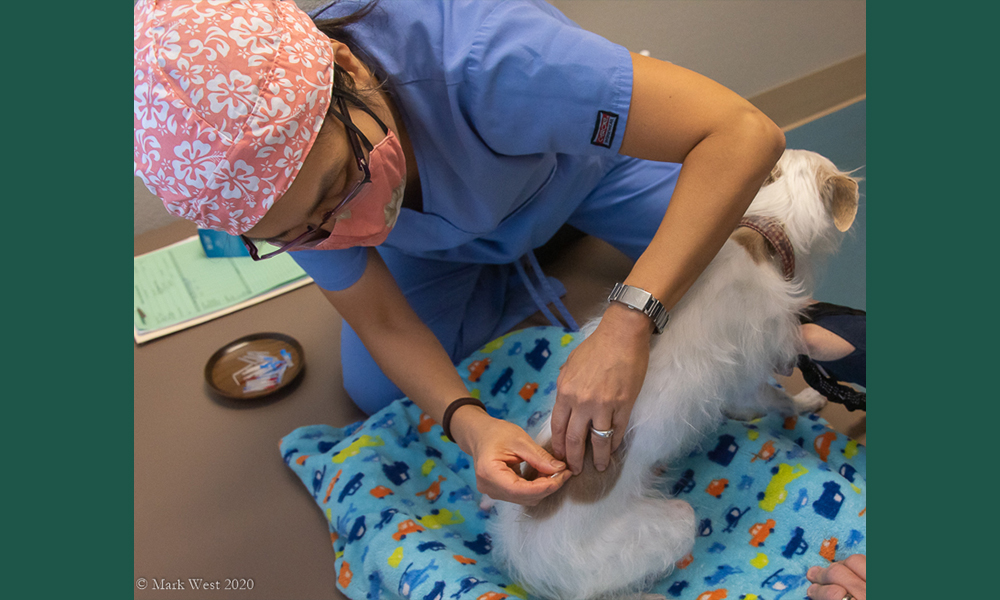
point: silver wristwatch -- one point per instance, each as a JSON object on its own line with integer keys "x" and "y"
{"x": 642, "y": 301}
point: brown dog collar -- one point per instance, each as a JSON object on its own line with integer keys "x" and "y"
{"x": 774, "y": 232}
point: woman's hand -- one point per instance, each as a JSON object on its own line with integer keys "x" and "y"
{"x": 598, "y": 386}
{"x": 498, "y": 448}
{"x": 838, "y": 580}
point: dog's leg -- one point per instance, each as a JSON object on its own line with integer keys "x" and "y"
{"x": 808, "y": 400}
{"x": 778, "y": 400}
{"x": 770, "y": 399}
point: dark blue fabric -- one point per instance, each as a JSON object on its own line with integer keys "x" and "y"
{"x": 853, "y": 367}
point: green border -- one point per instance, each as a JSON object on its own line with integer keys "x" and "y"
{"x": 70, "y": 425}
{"x": 923, "y": 474}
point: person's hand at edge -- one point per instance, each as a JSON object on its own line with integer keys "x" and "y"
{"x": 838, "y": 580}
{"x": 498, "y": 448}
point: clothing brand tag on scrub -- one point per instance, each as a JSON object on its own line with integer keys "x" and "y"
{"x": 604, "y": 129}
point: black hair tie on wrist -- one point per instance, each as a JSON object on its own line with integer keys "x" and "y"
{"x": 446, "y": 421}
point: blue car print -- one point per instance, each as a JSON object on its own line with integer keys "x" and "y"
{"x": 685, "y": 484}
{"x": 504, "y": 382}
{"x": 724, "y": 451}
{"x": 796, "y": 546}
{"x": 830, "y": 502}
{"x": 539, "y": 354}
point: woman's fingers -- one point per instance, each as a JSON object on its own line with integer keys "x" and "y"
{"x": 602, "y": 444}
{"x": 826, "y": 592}
{"x": 500, "y": 482}
{"x": 537, "y": 457}
{"x": 838, "y": 580}
{"x": 560, "y": 420}
{"x": 576, "y": 440}
{"x": 499, "y": 451}
{"x": 856, "y": 562}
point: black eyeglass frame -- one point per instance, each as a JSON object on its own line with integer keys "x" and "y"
{"x": 313, "y": 234}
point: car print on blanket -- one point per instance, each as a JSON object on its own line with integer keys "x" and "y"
{"x": 405, "y": 521}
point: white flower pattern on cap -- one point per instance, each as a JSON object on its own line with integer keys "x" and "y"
{"x": 229, "y": 96}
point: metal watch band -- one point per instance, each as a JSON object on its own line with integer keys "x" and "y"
{"x": 642, "y": 301}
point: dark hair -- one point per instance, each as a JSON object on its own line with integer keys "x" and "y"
{"x": 337, "y": 29}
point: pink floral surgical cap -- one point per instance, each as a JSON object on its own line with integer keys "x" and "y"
{"x": 229, "y": 97}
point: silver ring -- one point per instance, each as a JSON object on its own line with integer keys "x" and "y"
{"x": 603, "y": 434}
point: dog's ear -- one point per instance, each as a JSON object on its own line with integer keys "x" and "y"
{"x": 840, "y": 193}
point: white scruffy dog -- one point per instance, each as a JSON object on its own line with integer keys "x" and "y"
{"x": 611, "y": 534}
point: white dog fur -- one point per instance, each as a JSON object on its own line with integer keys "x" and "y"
{"x": 612, "y": 534}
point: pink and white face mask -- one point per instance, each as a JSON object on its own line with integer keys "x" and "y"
{"x": 369, "y": 218}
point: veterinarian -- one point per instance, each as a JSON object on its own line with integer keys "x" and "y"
{"x": 410, "y": 153}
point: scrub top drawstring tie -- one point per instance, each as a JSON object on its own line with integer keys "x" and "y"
{"x": 546, "y": 288}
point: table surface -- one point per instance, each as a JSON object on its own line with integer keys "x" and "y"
{"x": 213, "y": 499}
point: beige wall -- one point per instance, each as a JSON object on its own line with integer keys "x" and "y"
{"x": 747, "y": 45}
{"x": 750, "y": 46}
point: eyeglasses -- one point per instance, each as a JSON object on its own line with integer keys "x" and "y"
{"x": 314, "y": 235}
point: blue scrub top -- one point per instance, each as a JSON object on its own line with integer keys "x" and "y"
{"x": 514, "y": 112}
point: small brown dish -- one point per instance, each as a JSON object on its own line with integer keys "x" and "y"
{"x": 255, "y": 366}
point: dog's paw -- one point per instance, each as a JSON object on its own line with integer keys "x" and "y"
{"x": 808, "y": 401}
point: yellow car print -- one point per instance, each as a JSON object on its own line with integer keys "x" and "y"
{"x": 364, "y": 441}
{"x": 775, "y": 493}
{"x": 439, "y": 518}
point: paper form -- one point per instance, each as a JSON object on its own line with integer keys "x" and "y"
{"x": 178, "y": 283}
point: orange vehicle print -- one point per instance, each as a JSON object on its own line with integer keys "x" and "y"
{"x": 492, "y": 596}
{"x": 380, "y": 492}
{"x": 766, "y": 452}
{"x": 464, "y": 559}
{"x": 684, "y": 562}
{"x": 344, "y": 579}
{"x": 718, "y": 594}
{"x": 406, "y": 528}
{"x": 477, "y": 367}
{"x": 822, "y": 444}
{"x": 301, "y": 460}
{"x": 434, "y": 491}
{"x": 333, "y": 482}
{"x": 791, "y": 421}
{"x": 760, "y": 531}
{"x": 426, "y": 422}
{"x": 528, "y": 391}
{"x": 717, "y": 487}
{"x": 829, "y": 549}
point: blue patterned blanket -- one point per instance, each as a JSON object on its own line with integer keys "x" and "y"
{"x": 772, "y": 497}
